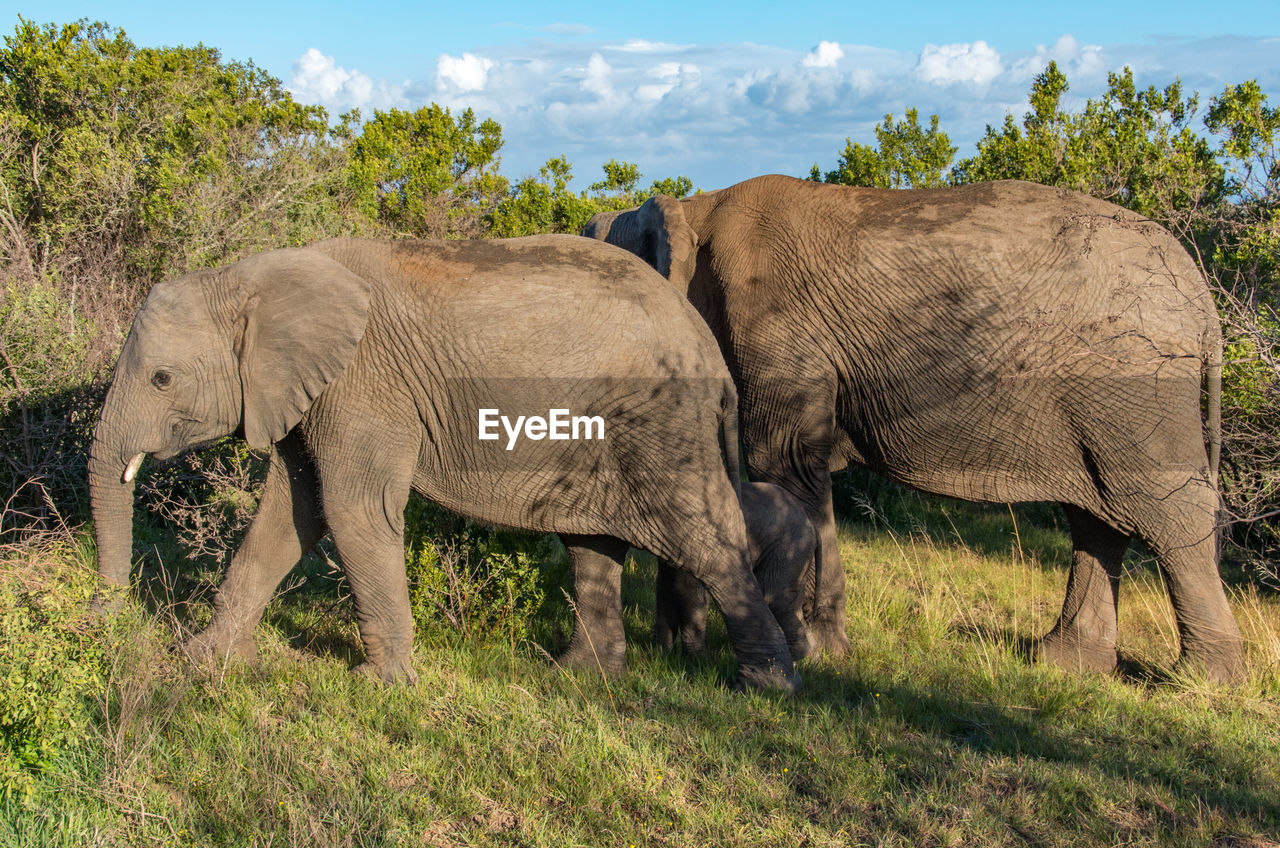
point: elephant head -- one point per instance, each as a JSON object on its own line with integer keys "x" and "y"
{"x": 657, "y": 232}
{"x": 246, "y": 348}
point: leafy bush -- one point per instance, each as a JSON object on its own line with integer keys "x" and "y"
{"x": 41, "y": 341}
{"x": 46, "y": 405}
{"x": 481, "y": 581}
{"x": 208, "y": 498}
{"x": 50, "y": 664}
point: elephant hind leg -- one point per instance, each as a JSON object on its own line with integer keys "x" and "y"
{"x": 680, "y": 611}
{"x": 764, "y": 660}
{"x": 598, "y": 641}
{"x": 1185, "y": 545}
{"x": 1085, "y": 636}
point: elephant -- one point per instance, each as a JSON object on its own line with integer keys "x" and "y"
{"x": 1001, "y": 342}
{"x": 373, "y": 368}
{"x": 782, "y": 546}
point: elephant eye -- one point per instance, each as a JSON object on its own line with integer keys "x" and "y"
{"x": 161, "y": 379}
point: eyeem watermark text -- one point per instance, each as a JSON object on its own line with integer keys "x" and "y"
{"x": 559, "y": 425}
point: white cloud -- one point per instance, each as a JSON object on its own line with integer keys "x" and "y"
{"x": 670, "y": 75}
{"x": 826, "y": 55}
{"x": 596, "y": 80}
{"x": 951, "y": 63}
{"x": 466, "y": 74}
{"x": 722, "y": 112}
{"x": 318, "y": 78}
{"x": 1076, "y": 61}
{"x": 639, "y": 45}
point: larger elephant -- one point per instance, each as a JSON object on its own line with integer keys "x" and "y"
{"x": 997, "y": 342}
{"x": 373, "y": 369}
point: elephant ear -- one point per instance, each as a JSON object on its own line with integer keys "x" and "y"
{"x": 301, "y": 316}
{"x": 657, "y": 232}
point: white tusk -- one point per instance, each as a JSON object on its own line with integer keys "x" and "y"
{"x": 131, "y": 470}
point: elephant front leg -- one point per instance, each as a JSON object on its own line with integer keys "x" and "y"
{"x": 784, "y": 572}
{"x": 811, "y": 486}
{"x": 365, "y": 487}
{"x": 1085, "y": 636}
{"x": 789, "y": 428}
{"x": 680, "y": 610}
{"x": 286, "y": 526}
{"x": 598, "y": 640}
{"x": 828, "y": 632}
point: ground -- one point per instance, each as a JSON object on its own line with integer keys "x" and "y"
{"x": 936, "y": 729}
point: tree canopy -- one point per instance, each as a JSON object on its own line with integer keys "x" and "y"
{"x": 121, "y": 165}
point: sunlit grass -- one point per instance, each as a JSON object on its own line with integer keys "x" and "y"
{"x": 936, "y": 729}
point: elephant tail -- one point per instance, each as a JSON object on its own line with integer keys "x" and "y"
{"x": 729, "y": 431}
{"x": 1213, "y": 401}
{"x": 814, "y": 578}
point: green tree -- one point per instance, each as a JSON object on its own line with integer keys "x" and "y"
{"x": 620, "y": 188}
{"x": 620, "y": 178}
{"x": 1248, "y": 241}
{"x": 1135, "y": 147}
{"x": 906, "y": 155}
{"x": 546, "y": 204}
{"x": 426, "y": 173}
{"x": 1243, "y": 260}
{"x": 121, "y": 165}
{"x": 543, "y": 204}
{"x": 676, "y": 187}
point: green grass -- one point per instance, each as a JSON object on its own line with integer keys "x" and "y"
{"x": 935, "y": 730}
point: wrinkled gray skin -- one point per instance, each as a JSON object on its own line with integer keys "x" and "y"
{"x": 997, "y": 342}
{"x": 363, "y": 365}
{"x": 781, "y": 545}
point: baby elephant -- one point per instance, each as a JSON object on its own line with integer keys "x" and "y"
{"x": 552, "y": 383}
{"x": 784, "y": 553}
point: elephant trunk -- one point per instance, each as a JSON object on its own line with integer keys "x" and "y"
{"x": 111, "y": 485}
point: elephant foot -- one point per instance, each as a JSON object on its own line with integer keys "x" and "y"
{"x": 388, "y": 672}
{"x": 208, "y": 648}
{"x": 802, "y": 644}
{"x": 693, "y": 642}
{"x": 771, "y": 676}
{"x": 664, "y": 637}
{"x": 609, "y": 660}
{"x": 827, "y": 638}
{"x": 1220, "y": 662}
{"x": 690, "y": 645}
{"x": 1076, "y": 653}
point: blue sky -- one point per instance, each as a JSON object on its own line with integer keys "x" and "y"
{"x": 717, "y": 91}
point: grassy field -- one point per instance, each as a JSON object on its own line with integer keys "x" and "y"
{"x": 934, "y": 730}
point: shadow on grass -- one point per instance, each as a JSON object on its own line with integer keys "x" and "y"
{"x": 1069, "y": 729}
{"x": 1128, "y": 668}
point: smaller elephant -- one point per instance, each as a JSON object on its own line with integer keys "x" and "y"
{"x": 785, "y": 556}
{"x": 375, "y": 369}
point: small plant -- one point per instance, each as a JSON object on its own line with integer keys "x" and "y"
{"x": 209, "y": 498}
{"x": 50, "y": 665}
{"x": 481, "y": 581}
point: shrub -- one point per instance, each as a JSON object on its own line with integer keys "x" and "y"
{"x": 208, "y": 498}
{"x": 51, "y": 665}
{"x": 47, "y": 402}
{"x": 481, "y": 581}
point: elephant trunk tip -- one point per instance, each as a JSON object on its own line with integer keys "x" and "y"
{"x": 131, "y": 470}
